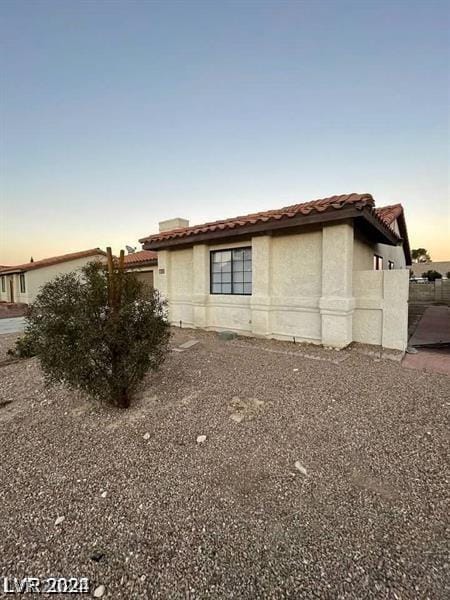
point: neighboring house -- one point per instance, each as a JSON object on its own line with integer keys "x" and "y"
{"x": 144, "y": 264}
{"x": 21, "y": 283}
{"x": 442, "y": 267}
{"x": 329, "y": 272}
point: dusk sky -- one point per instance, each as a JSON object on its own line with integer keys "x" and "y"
{"x": 118, "y": 114}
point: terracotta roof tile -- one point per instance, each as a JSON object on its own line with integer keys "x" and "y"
{"x": 54, "y": 260}
{"x": 389, "y": 213}
{"x": 319, "y": 206}
{"x": 141, "y": 257}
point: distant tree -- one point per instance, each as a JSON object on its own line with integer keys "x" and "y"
{"x": 448, "y": 275}
{"x": 99, "y": 329}
{"x": 420, "y": 255}
{"x": 431, "y": 275}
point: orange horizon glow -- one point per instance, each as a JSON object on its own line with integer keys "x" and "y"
{"x": 435, "y": 238}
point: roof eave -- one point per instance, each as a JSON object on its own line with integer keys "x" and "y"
{"x": 382, "y": 232}
{"x": 12, "y": 272}
{"x": 404, "y": 234}
{"x": 137, "y": 265}
{"x": 62, "y": 259}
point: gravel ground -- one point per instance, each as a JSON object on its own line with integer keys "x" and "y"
{"x": 320, "y": 477}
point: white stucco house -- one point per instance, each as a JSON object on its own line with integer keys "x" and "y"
{"x": 21, "y": 283}
{"x": 329, "y": 272}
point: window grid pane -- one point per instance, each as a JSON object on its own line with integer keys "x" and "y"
{"x": 231, "y": 271}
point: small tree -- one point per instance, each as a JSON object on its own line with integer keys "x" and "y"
{"x": 420, "y": 255}
{"x": 99, "y": 330}
{"x": 431, "y": 275}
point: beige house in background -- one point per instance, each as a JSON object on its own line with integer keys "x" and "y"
{"x": 21, "y": 283}
{"x": 329, "y": 272}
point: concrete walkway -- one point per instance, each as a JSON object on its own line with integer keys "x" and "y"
{"x": 432, "y": 331}
{"x": 433, "y": 327}
{"x": 428, "y": 360}
{"x": 12, "y": 325}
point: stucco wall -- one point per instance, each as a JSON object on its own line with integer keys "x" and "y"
{"x": 286, "y": 288}
{"x": 312, "y": 286}
{"x": 381, "y": 308}
{"x": 296, "y": 286}
{"x": 394, "y": 253}
{"x": 364, "y": 252}
{"x": 179, "y": 278}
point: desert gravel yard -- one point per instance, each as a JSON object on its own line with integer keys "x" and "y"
{"x": 323, "y": 475}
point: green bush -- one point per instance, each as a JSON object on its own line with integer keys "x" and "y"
{"x": 23, "y": 348}
{"x": 432, "y": 275}
{"x": 98, "y": 331}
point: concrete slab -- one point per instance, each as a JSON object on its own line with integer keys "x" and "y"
{"x": 188, "y": 344}
{"x": 429, "y": 360}
{"x": 227, "y": 335}
{"x": 12, "y": 325}
{"x": 433, "y": 327}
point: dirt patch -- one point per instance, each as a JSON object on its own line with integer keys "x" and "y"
{"x": 244, "y": 409}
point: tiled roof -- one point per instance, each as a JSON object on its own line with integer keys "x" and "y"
{"x": 318, "y": 206}
{"x": 140, "y": 258}
{"x": 389, "y": 213}
{"x": 54, "y": 260}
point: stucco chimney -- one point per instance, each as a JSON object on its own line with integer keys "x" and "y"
{"x": 173, "y": 224}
